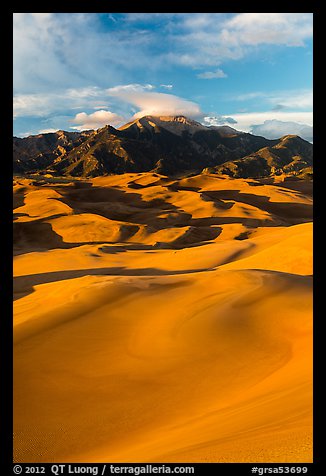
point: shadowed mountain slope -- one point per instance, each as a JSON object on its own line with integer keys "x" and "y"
{"x": 169, "y": 145}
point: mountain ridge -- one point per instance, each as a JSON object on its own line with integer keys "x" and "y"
{"x": 165, "y": 144}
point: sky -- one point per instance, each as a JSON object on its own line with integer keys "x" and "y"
{"x": 78, "y": 71}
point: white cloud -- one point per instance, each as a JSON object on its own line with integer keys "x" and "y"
{"x": 218, "y": 120}
{"x": 81, "y": 93}
{"x": 295, "y": 99}
{"x": 219, "y": 73}
{"x": 248, "y": 96}
{"x": 61, "y": 50}
{"x": 211, "y": 38}
{"x": 25, "y": 134}
{"x": 103, "y": 106}
{"x": 42, "y": 104}
{"x": 199, "y": 21}
{"x": 57, "y": 56}
{"x": 39, "y": 55}
{"x": 153, "y": 103}
{"x": 47, "y": 131}
{"x": 289, "y": 29}
{"x": 246, "y": 120}
{"x": 30, "y": 105}
{"x": 148, "y": 17}
{"x": 143, "y": 97}
{"x": 95, "y": 120}
{"x": 273, "y": 129}
{"x": 129, "y": 88}
{"x": 274, "y": 124}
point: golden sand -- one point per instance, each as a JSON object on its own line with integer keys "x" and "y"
{"x": 161, "y": 320}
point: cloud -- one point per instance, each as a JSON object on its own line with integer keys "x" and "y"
{"x": 219, "y": 73}
{"x": 26, "y": 134}
{"x": 218, "y": 120}
{"x": 289, "y": 29}
{"x": 278, "y": 107}
{"x": 42, "y": 45}
{"x": 247, "y": 119}
{"x": 212, "y": 38}
{"x": 273, "y": 129}
{"x": 42, "y": 104}
{"x": 295, "y": 99}
{"x": 274, "y": 124}
{"x": 47, "y": 131}
{"x": 30, "y": 105}
{"x": 151, "y": 18}
{"x": 142, "y": 97}
{"x": 153, "y": 103}
{"x": 99, "y": 107}
{"x": 133, "y": 87}
{"x": 249, "y": 96}
{"x": 65, "y": 62}
{"x": 96, "y": 120}
{"x": 60, "y": 50}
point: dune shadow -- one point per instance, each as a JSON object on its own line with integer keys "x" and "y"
{"x": 250, "y": 222}
{"x": 302, "y": 186}
{"x": 137, "y": 185}
{"x": 18, "y": 215}
{"x": 24, "y": 285}
{"x": 255, "y": 184}
{"x": 175, "y": 187}
{"x": 210, "y": 197}
{"x": 196, "y": 235}
{"x": 36, "y": 234}
{"x": 243, "y": 236}
{"x": 18, "y": 200}
{"x": 294, "y": 213}
{"x": 111, "y": 249}
{"x": 116, "y": 204}
{"x": 156, "y": 214}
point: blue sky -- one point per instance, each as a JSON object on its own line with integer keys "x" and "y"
{"x": 75, "y": 71}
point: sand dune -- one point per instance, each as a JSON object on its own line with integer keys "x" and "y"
{"x": 162, "y": 320}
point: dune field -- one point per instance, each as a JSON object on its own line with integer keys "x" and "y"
{"x": 162, "y": 320}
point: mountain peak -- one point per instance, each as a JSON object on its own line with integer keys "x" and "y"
{"x": 180, "y": 119}
{"x": 290, "y": 137}
{"x": 175, "y": 124}
{"x": 225, "y": 130}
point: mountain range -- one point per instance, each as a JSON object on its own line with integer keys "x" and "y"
{"x": 169, "y": 145}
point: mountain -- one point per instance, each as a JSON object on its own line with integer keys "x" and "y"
{"x": 39, "y": 151}
{"x": 168, "y": 145}
{"x": 291, "y": 155}
{"x": 175, "y": 124}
